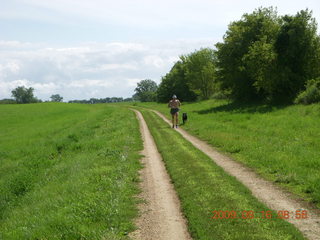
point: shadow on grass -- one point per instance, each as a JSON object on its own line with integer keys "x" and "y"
{"x": 243, "y": 108}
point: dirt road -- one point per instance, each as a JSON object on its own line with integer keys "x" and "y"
{"x": 265, "y": 191}
{"x": 161, "y": 217}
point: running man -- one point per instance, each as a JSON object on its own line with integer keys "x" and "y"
{"x": 174, "y": 104}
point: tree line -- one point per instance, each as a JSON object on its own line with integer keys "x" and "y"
{"x": 102, "y": 100}
{"x": 24, "y": 95}
{"x": 263, "y": 57}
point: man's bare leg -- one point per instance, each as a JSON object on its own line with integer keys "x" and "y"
{"x": 172, "y": 120}
{"x": 177, "y": 119}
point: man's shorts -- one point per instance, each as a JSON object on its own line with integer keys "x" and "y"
{"x": 174, "y": 111}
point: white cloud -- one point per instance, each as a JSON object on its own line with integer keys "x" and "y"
{"x": 132, "y": 82}
{"x": 45, "y": 88}
{"x": 10, "y": 66}
{"x": 85, "y": 83}
{"x": 113, "y": 66}
{"x": 88, "y": 70}
{"x": 10, "y": 85}
{"x": 13, "y": 44}
{"x": 154, "y": 60}
{"x": 13, "y": 67}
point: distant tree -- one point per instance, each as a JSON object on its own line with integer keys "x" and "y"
{"x": 24, "y": 95}
{"x": 93, "y": 100}
{"x": 98, "y": 100}
{"x": 116, "y": 99}
{"x": 128, "y": 100}
{"x": 146, "y": 91}
{"x": 7, "y": 101}
{"x": 56, "y": 98}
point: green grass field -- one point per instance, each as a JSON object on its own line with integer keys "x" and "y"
{"x": 68, "y": 171}
{"x": 203, "y": 187}
{"x": 280, "y": 143}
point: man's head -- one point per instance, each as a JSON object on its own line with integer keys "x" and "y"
{"x": 174, "y": 97}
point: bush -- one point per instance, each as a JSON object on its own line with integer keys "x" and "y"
{"x": 220, "y": 95}
{"x": 311, "y": 94}
{"x": 7, "y": 101}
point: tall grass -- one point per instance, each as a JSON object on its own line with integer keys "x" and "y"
{"x": 67, "y": 171}
{"x": 279, "y": 142}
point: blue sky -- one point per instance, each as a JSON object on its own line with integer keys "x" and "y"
{"x": 101, "y": 48}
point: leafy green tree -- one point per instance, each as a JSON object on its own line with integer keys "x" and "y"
{"x": 56, "y": 98}
{"x": 24, "y": 95}
{"x": 260, "y": 64}
{"x": 266, "y": 57}
{"x": 298, "y": 49}
{"x": 246, "y": 56}
{"x": 200, "y": 71}
{"x": 175, "y": 82}
{"x": 146, "y": 91}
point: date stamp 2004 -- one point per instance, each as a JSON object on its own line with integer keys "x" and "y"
{"x": 249, "y": 214}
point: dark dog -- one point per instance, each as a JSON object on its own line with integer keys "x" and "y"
{"x": 184, "y": 117}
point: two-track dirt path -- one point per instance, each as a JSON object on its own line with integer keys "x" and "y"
{"x": 265, "y": 191}
{"x": 161, "y": 218}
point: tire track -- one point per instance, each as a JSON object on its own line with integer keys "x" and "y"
{"x": 160, "y": 215}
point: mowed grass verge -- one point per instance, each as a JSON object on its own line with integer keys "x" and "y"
{"x": 281, "y": 143}
{"x": 68, "y": 171}
{"x": 203, "y": 187}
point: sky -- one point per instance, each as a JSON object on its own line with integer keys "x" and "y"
{"x": 101, "y": 48}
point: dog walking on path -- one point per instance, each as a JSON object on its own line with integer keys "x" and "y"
{"x": 184, "y": 118}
